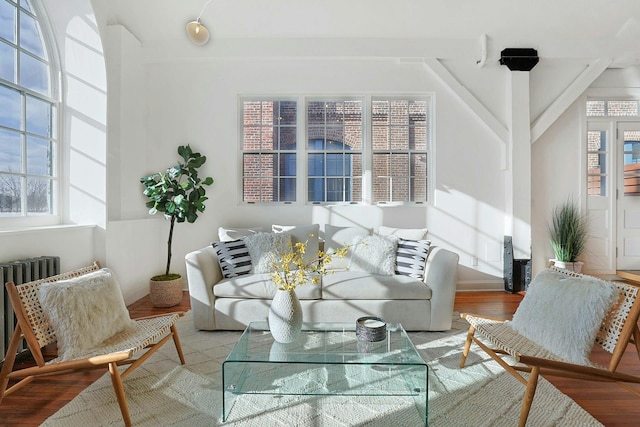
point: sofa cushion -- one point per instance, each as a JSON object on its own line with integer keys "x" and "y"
{"x": 358, "y": 285}
{"x": 411, "y": 257}
{"x": 259, "y": 286}
{"x": 229, "y": 234}
{"x": 300, "y": 234}
{"x": 374, "y": 254}
{"x": 338, "y": 237}
{"x": 403, "y": 233}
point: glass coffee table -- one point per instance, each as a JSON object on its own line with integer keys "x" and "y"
{"x": 326, "y": 359}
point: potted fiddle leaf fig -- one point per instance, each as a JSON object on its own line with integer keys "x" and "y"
{"x": 568, "y": 231}
{"x": 179, "y": 194}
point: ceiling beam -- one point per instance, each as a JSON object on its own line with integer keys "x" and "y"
{"x": 568, "y": 97}
{"x": 486, "y": 117}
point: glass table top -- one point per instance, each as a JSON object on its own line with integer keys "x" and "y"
{"x": 326, "y": 343}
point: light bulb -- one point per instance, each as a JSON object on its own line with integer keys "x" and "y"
{"x": 197, "y": 33}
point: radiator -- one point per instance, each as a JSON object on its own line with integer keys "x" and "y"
{"x": 19, "y": 272}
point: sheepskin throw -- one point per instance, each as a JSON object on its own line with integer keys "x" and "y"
{"x": 563, "y": 314}
{"x": 374, "y": 254}
{"x": 263, "y": 247}
{"x": 84, "y": 311}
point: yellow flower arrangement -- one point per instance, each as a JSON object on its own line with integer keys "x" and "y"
{"x": 289, "y": 269}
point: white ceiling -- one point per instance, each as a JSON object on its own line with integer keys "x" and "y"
{"x": 557, "y": 28}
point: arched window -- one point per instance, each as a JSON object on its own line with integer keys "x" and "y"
{"x": 28, "y": 112}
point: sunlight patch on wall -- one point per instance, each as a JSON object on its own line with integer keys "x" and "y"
{"x": 86, "y": 121}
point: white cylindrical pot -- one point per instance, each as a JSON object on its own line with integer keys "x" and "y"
{"x": 576, "y": 266}
{"x": 285, "y": 316}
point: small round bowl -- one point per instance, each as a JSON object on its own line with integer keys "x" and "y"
{"x": 371, "y": 328}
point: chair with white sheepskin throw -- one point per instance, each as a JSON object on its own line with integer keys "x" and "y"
{"x": 555, "y": 327}
{"x": 84, "y": 312}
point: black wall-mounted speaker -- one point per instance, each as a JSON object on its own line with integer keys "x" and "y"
{"x": 519, "y": 59}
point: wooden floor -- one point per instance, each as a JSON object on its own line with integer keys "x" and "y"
{"x": 610, "y": 403}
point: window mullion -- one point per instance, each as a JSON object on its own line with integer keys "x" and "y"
{"x": 18, "y": 44}
{"x": 302, "y": 151}
{"x": 367, "y": 151}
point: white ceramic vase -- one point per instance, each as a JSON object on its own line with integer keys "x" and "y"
{"x": 285, "y": 316}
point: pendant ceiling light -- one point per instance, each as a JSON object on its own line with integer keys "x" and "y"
{"x": 196, "y": 31}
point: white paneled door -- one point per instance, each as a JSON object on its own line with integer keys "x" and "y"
{"x": 628, "y": 196}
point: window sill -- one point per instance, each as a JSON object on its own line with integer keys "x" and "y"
{"x": 22, "y": 230}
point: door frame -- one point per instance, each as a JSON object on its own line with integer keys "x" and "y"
{"x": 620, "y": 127}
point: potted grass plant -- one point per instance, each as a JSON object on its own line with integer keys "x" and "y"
{"x": 179, "y": 194}
{"x": 568, "y": 232}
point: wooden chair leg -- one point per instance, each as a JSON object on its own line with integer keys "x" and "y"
{"x": 119, "y": 389}
{"x": 528, "y": 396}
{"x": 636, "y": 340}
{"x": 467, "y": 346}
{"x": 9, "y": 360}
{"x": 176, "y": 341}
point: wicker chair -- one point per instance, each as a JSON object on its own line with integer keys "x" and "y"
{"x": 516, "y": 353}
{"x": 142, "y": 339}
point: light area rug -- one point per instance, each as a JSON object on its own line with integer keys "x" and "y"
{"x": 162, "y": 392}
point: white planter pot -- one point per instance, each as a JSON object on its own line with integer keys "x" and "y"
{"x": 285, "y": 316}
{"x": 571, "y": 266}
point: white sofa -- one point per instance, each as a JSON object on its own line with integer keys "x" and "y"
{"x": 343, "y": 296}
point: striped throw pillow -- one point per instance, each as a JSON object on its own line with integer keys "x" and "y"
{"x": 233, "y": 257}
{"x": 411, "y": 257}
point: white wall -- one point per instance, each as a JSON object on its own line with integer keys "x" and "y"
{"x": 193, "y": 98}
{"x": 73, "y": 244}
{"x": 468, "y": 211}
{"x": 557, "y": 176}
{"x": 197, "y": 103}
{"x": 166, "y": 92}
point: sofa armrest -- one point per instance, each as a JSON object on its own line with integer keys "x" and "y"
{"x": 441, "y": 274}
{"x": 203, "y": 271}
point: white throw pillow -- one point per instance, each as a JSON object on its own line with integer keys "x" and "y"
{"x": 302, "y": 233}
{"x": 231, "y": 234}
{"x": 338, "y": 237}
{"x": 264, "y": 248}
{"x": 84, "y": 311}
{"x": 563, "y": 314}
{"x": 374, "y": 254}
{"x": 403, "y": 233}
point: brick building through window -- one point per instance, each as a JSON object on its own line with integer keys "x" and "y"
{"x": 332, "y": 161}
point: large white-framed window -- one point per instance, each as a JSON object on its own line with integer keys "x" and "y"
{"x": 29, "y": 92}
{"x": 269, "y": 150}
{"x": 357, "y": 149}
{"x": 334, "y": 131}
{"x": 400, "y": 136}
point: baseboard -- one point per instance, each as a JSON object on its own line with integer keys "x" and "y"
{"x": 479, "y": 285}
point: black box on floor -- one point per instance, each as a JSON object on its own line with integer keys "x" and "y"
{"x": 517, "y": 272}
